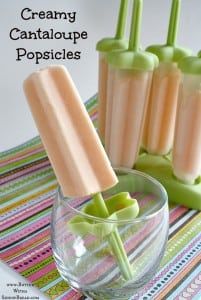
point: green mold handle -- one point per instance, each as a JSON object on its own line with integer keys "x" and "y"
{"x": 170, "y": 52}
{"x": 191, "y": 65}
{"x": 160, "y": 168}
{"x": 121, "y": 24}
{"x": 134, "y": 42}
{"x": 117, "y": 42}
{"x": 174, "y": 22}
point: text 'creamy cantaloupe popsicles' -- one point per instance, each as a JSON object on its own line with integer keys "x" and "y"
{"x": 187, "y": 140}
{"x": 73, "y": 146}
{"x": 105, "y": 46}
{"x": 159, "y": 126}
{"x": 130, "y": 74}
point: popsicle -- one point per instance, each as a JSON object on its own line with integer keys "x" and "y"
{"x": 187, "y": 140}
{"x": 128, "y": 91}
{"x": 73, "y": 146}
{"x": 159, "y": 126}
{"x": 104, "y": 46}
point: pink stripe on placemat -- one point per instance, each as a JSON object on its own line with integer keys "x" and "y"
{"x": 21, "y": 156}
{"x": 36, "y": 251}
{"x": 31, "y": 200}
{"x": 37, "y": 275}
{"x": 176, "y": 213}
{"x": 27, "y": 243}
{"x": 29, "y": 262}
{"x": 94, "y": 116}
{"x": 28, "y": 212}
{"x": 25, "y": 171}
{"x": 25, "y": 231}
{"x": 72, "y": 295}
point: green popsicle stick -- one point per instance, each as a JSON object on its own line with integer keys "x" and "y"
{"x": 118, "y": 42}
{"x": 114, "y": 239}
{"x": 174, "y": 22}
{"x": 134, "y": 41}
{"x": 170, "y": 52}
{"x": 121, "y": 24}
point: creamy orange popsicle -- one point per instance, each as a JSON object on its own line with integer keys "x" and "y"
{"x": 73, "y": 146}
{"x": 130, "y": 95}
{"x": 160, "y": 119}
{"x": 129, "y": 81}
{"x": 105, "y": 46}
{"x": 161, "y": 113}
{"x": 187, "y": 140}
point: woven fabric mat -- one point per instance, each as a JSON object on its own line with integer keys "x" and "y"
{"x": 27, "y": 189}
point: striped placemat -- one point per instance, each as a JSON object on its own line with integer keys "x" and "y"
{"x": 27, "y": 189}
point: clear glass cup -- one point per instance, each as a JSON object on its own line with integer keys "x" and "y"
{"x": 85, "y": 259}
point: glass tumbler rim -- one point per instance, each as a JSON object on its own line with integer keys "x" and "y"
{"x": 65, "y": 201}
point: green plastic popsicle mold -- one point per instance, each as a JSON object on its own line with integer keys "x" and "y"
{"x": 160, "y": 167}
{"x": 118, "y": 42}
{"x": 170, "y": 52}
{"x": 191, "y": 64}
{"x": 134, "y": 58}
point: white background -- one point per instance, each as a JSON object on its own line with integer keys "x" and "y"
{"x": 98, "y": 17}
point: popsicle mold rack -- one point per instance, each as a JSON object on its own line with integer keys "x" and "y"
{"x": 160, "y": 167}
{"x": 187, "y": 137}
{"x": 186, "y": 153}
{"x": 170, "y": 127}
